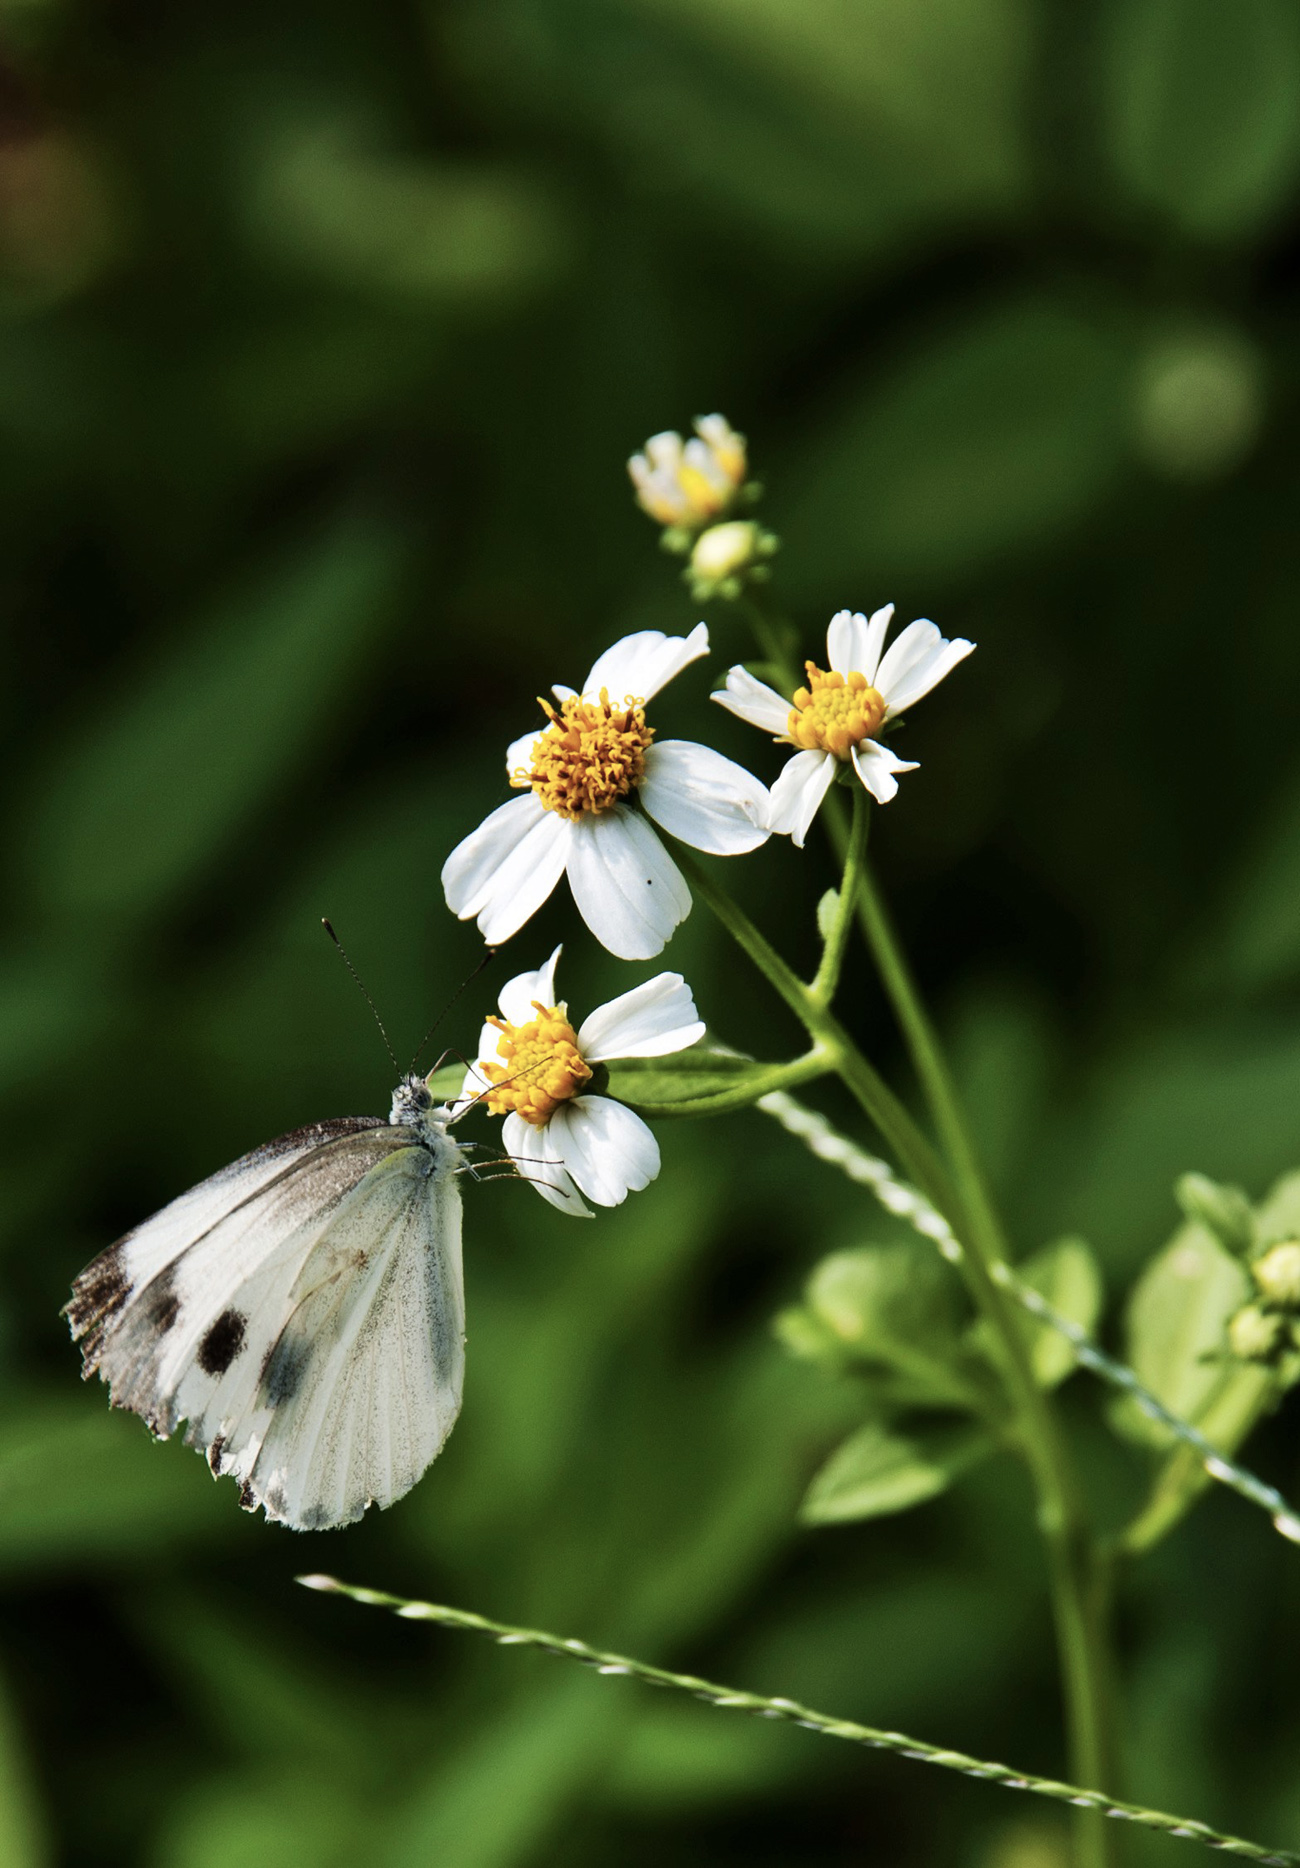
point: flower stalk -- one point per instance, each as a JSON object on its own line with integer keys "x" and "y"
{"x": 732, "y": 1699}
{"x": 1062, "y": 1521}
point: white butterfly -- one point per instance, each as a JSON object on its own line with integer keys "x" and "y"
{"x": 303, "y": 1311}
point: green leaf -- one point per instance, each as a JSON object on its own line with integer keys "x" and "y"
{"x": 1222, "y": 1210}
{"x": 878, "y": 1471}
{"x": 989, "y": 437}
{"x": 203, "y": 735}
{"x": 80, "y": 1485}
{"x": 22, "y": 1838}
{"x": 1278, "y": 1214}
{"x": 1204, "y": 109}
{"x": 445, "y": 1085}
{"x": 885, "y": 1302}
{"x": 1067, "y": 1275}
{"x": 1177, "y": 1329}
{"x": 669, "y": 1085}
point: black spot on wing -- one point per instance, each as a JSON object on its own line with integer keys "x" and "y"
{"x": 222, "y": 1343}
{"x": 215, "y": 1451}
{"x": 164, "y": 1303}
{"x": 97, "y": 1297}
{"x": 317, "y": 1518}
{"x": 285, "y": 1367}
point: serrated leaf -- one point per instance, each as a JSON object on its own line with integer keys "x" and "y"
{"x": 1204, "y": 116}
{"x": 878, "y": 1471}
{"x": 1176, "y": 1328}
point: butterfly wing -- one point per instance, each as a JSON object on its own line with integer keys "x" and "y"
{"x": 188, "y": 1318}
{"x": 364, "y": 1382}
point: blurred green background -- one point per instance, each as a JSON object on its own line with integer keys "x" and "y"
{"x": 327, "y": 330}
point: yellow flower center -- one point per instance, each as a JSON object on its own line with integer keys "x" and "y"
{"x": 589, "y": 757}
{"x": 834, "y": 712}
{"x": 541, "y": 1066}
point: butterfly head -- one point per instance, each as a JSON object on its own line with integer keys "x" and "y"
{"x": 413, "y": 1104}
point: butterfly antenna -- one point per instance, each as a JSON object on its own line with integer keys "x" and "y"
{"x": 365, "y": 991}
{"x": 468, "y": 981}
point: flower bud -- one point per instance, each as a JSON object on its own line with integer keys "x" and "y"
{"x": 1256, "y": 1335}
{"x": 726, "y": 557}
{"x": 1277, "y": 1273}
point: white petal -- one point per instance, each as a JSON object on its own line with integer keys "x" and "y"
{"x": 650, "y": 1021}
{"x": 519, "y": 753}
{"x": 640, "y": 665}
{"x": 504, "y": 870}
{"x": 476, "y": 1081}
{"x": 537, "y": 1158}
{"x": 517, "y": 995}
{"x": 562, "y": 693}
{"x": 926, "y": 674}
{"x": 917, "y": 642}
{"x": 877, "y": 628}
{"x": 708, "y": 801}
{"x": 665, "y": 450}
{"x": 876, "y": 765}
{"x": 853, "y": 642}
{"x": 607, "y": 1149}
{"x": 798, "y": 792}
{"x": 753, "y": 701}
{"x": 627, "y": 888}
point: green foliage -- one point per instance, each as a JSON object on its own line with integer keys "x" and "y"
{"x": 1176, "y": 1328}
{"x": 1067, "y": 1275}
{"x": 877, "y": 1472}
{"x": 1223, "y": 1211}
{"x": 1203, "y": 107}
{"x": 327, "y": 332}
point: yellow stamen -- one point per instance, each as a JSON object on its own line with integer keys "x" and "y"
{"x": 835, "y": 712}
{"x": 590, "y": 756}
{"x": 541, "y": 1066}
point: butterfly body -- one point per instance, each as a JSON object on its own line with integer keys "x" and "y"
{"x": 302, "y": 1311}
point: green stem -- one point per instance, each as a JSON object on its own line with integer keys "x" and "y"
{"x": 1060, "y": 1513}
{"x": 1078, "y": 1603}
{"x": 826, "y": 984}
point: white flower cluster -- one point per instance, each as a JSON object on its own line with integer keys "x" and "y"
{"x": 595, "y": 784}
{"x": 597, "y": 787}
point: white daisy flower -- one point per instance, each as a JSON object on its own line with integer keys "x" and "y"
{"x": 688, "y": 484}
{"x": 582, "y": 772}
{"x": 838, "y": 716}
{"x": 531, "y": 1068}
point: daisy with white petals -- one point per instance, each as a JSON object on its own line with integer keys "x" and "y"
{"x": 584, "y": 771}
{"x": 687, "y": 484}
{"x": 532, "y": 1068}
{"x": 839, "y": 716}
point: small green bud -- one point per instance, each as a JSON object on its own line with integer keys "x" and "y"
{"x": 1277, "y": 1273}
{"x": 1224, "y": 1211}
{"x": 724, "y": 556}
{"x": 1256, "y": 1335}
{"x": 827, "y": 909}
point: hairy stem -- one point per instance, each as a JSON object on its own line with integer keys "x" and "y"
{"x": 732, "y": 1699}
